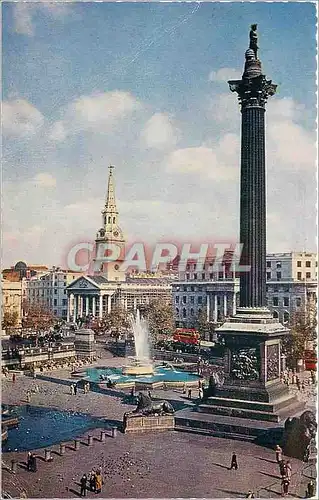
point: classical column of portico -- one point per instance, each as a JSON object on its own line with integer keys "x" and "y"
{"x": 234, "y": 304}
{"x": 70, "y": 300}
{"x": 94, "y": 306}
{"x": 208, "y": 308}
{"x": 87, "y": 305}
{"x": 101, "y": 306}
{"x": 75, "y": 309}
{"x": 81, "y": 306}
{"x": 109, "y": 304}
{"x": 225, "y": 305}
{"x": 215, "y": 308}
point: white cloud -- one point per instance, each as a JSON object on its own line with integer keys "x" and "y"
{"x": 159, "y": 132}
{"x": 24, "y": 13}
{"x": 95, "y": 113}
{"x": 44, "y": 179}
{"x": 224, "y": 74}
{"x": 217, "y": 162}
{"x": 20, "y": 118}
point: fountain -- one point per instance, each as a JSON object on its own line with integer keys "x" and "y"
{"x": 141, "y": 363}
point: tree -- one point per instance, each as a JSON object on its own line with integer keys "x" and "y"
{"x": 202, "y": 324}
{"x": 302, "y": 330}
{"x": 10, "y": 319}
{"x": 37, "y": 316}
{"x": 115, "y": 321}
{"x": 159, "y": 315}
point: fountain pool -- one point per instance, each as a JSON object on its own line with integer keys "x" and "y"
{"x": 40, "y": 427}
{"x": 162, "y": 375}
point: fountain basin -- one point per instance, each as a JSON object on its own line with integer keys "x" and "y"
{"x": 135, "y": 370}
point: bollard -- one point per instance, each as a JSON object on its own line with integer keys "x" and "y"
{"x": 13, "y": 466}
{"x": 114, "y": 432}
{"x": 90, "y": 440}
{"x": 76, "y": 444}
{"x": 103, "y": 436}
{"x": 47, "y": 455}
{"x": 62, "y": 448}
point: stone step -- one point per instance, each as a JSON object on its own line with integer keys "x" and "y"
{"x": 238, "y": 412}
{"x": 220, "y": 423}
{"x": 209, "y": 432}
{"x": 250, "y": 405}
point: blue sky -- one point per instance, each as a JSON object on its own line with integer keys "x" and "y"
{"x": 144, "y": 87}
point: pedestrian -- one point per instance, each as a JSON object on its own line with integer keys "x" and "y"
{"x": 284, "y": 486}
{"x": 92, "y": 481}
{"x": 88, "y": 387}
{"x": 189, "y": 395}
{"x": 310, "y": 492}
{"x": 13, "y": 378}
{"x": 33, "y": 461}
{"x": 99, "y": 482}
{"x": 313, "y": 377}
{"x": 72, "y": 389}
{"x": 282, "y": 468}
{"x": 298, "y": 383}
{"x": 29, "y": 460}
{"x": 303, "y": 386}
{"x": 200, "y": 393}
{"x": 278, "y": 451}
{"x": 184, "y": 388}
{"x": 28, "y": 396}
{"x": 234, "y": 464}
{"x": 250, "y": 494}
{"x": 133, "y": 392}
{"x": 150, "y": 394}
{"x": 83, "y": 481}
{"x": 288, "y": 471}
{"x": 75, "y": 389}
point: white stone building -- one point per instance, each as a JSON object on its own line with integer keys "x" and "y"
{"x": 217, "y": 293}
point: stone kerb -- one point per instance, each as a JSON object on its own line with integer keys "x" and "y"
{"x": 149, "y": 423}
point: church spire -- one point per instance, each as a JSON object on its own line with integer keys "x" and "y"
{"x": 110, "y": 205}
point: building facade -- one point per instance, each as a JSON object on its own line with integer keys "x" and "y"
{"x": 217, "y": 294}
{"x": 12, "y": 300}
{"x": 50, "y": 290}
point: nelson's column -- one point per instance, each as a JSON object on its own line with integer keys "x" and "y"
{"x": 252, "y": 388}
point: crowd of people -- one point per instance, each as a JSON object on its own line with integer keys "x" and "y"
{"x": 31, "y": 462}
{"x": 92, "y": 482}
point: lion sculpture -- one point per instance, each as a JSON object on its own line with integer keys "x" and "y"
{"x": 299, "y": 432}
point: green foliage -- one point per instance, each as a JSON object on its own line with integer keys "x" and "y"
{"x": 115, "y": 322}
{"x": 37, "y": 316}
{"x": 302, "y": 330}
{"x": 159, "y": 315}
{"x": 10, "y": 319}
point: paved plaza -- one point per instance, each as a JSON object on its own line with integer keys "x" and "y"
{"x": 171, "y": 464}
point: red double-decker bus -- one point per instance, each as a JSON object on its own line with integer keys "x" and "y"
{"x": 310, "y": 358}
{"x": 186, "y": 335}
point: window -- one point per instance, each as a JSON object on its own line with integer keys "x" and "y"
{"x": 177, "y": 310}
{"x": 55, "y": 302}
{"x": 211, "y": 276}
{"x": 64, "y": 302}
{"x": 187, "y": 276}
{"x": 195, "y": 276}
{"x": 55, "y": 312}
{"x": 184, "y": 299}
{"x": 278, "y": 265}
{"x": 275, "y": 301}
{"x": 192, "y": 288}
{"x": 299, "y": 276}
{"x": 286, "y": 317}
{"x": 308, "y": 263}
{"x": 275, "y": 314}
{"x": 298, "y": 263}
{"x": 298, "y": 301}
{"x": 184, "y": 313}
{"x": 177, "y": 299}
{"x": 308, "y": 275}
{"x": 278, "y": 276}
{"x": 199, "y": 300}
{"x": 268, "y": 263}
{"x": 286, "y": 301}
{"x": 65, "y": 312}
{"x": 220, "y": 275}
{"x": 268, "y": 276}
{"x": 192, "y": 299}
{"x": 55, "y": 292}
{"x": 192, "y": 312}
{"x": 203, "y": 276}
